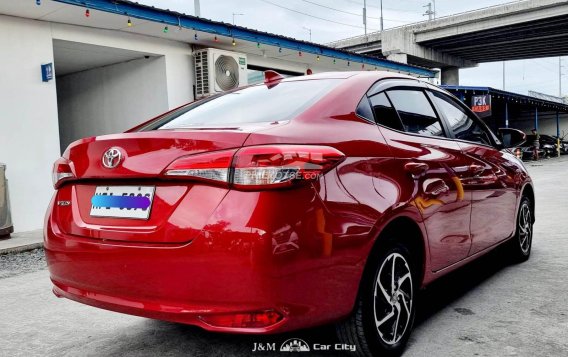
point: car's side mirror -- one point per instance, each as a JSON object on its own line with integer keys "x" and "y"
{"x": 512, "y": 137}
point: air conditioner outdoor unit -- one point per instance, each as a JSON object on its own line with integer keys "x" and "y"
{"x": 219, "y": 71}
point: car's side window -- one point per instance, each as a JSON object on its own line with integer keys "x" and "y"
{"x": 364, "y": 110}
{"x": 385, "y": 114}
{"x": 416, "y": 112}
{"x": 461, "y": 123}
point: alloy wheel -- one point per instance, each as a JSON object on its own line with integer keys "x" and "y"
{"x": 525, "y": 228}
{"x": 393, "y": 298}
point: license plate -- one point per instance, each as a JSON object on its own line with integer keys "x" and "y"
{"x": 133, "y": 202}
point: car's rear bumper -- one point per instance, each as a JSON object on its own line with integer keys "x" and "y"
{"x": 261, "y": 262}
{"x": 179, "y": 283}
{"x": 182, "y": 313}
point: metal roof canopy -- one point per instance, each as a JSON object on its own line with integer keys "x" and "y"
{"x": 507, "y": 105}
{"x": 175, "y": 19}
{"x": 510, "y": 97}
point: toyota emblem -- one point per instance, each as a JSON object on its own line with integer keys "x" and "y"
{"x": 111, "y": 158}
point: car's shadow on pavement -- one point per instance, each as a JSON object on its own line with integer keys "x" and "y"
{"x": 449, "y": 288}
{"x": 170, "y": 339}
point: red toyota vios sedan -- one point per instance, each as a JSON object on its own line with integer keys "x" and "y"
{"x": 288, "y": 204}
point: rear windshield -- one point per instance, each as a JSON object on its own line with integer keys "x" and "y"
{"x": 254, "y": 104}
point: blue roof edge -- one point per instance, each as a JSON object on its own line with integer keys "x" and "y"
{"x": 167, "y": 17}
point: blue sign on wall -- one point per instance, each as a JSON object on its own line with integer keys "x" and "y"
{"x": 47, "y": 72}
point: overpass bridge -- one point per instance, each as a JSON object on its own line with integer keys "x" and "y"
{"x": 518, "y": 30}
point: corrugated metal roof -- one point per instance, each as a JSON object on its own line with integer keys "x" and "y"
{"x": 510, "y": 96}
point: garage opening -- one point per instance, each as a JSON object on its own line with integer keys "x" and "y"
{"x": 103, "y": 90}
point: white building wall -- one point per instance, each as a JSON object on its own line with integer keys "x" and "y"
{"x": 29, "y": 135}
{"x": 29, "y": 130}
{"x": 179, "y": 72}
{"x": 546, "y": 123}
{"x": 284, "y": 65}
{"x": 111, "y": 99}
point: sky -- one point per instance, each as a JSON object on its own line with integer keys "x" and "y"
{"x": 331, "y": 20}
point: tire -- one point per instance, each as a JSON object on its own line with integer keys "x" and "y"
{"x": 371, "y": 326}
{"x": 521, "y": 244}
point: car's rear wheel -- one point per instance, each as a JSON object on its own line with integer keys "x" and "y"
{"x": 381, "y": 322}
{"x": 521, "y": 244}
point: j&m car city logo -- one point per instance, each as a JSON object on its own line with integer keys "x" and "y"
{"x": 295, "y": 345}
{"x": 299, "y": 345}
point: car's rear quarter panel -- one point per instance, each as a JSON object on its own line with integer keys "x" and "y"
{"x": 360, "y": 196}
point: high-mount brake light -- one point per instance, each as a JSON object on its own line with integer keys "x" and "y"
{"x": 61, "y": 172}
{"x": 258, "y": 167}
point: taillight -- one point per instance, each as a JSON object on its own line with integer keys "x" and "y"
{"x": 61, "y": 172}
{"x": 273, "y": 166}
{"x": 258, "y": 167}
{"x": 212, "y": 166}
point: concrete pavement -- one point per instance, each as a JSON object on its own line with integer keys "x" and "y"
{"x": 489, "y": 308}
{"x": 21, "y": 242}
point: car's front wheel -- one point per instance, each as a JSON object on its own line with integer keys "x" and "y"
{"x": 382, "y": 320}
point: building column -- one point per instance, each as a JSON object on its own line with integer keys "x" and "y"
{"x": 450, "y": 76}
{"x": 557, "y": 134}
{"x": 506, "y": 113}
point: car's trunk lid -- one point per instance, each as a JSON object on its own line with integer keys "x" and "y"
{"x": 178, "y": 211}
{"x": 146, "y": 154}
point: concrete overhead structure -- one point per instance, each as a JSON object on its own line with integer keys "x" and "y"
{"x": 519, "y": 30}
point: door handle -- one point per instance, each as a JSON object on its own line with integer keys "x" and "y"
{"x": 476, "y": 170}
{"x": 416, "y": 169}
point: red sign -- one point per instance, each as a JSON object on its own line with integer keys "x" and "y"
{"x": 481, "y": 105}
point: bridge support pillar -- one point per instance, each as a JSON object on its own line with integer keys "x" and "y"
{"x": 398, "y": 57}
{"x": 450, "y": 76}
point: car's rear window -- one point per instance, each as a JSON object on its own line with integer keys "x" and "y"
{"x": 255, "y": 104}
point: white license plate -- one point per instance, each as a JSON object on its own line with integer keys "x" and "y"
{"x": 122, "y": 201}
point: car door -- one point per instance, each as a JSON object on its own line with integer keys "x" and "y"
{"x": 489, "y": 179}
{"x": 425, "y": 160}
